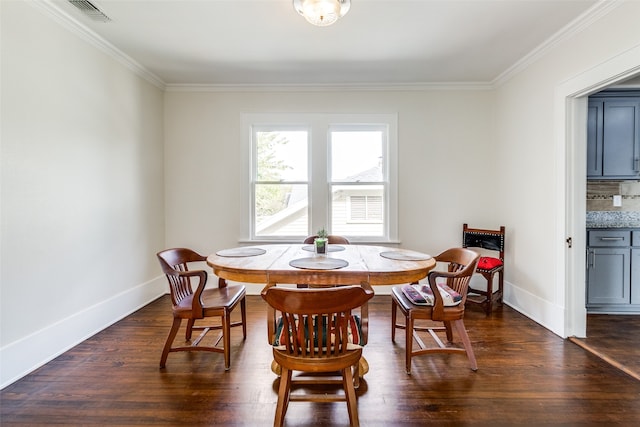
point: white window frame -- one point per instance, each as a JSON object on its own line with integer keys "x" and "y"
{"x": 319, "y": 126}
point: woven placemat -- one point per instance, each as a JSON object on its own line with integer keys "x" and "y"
{"x": 330, "y": 248}
{"x": 240, "y": 252}
{"x": 319, "y": 263}
{"x": 405, "y": 256}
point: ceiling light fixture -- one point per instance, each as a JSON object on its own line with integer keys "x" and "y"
{"x": 322, "y": 12}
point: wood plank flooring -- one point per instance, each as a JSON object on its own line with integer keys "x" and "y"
{"x": 615, "y": 339}
{"x": 526, "y": 376}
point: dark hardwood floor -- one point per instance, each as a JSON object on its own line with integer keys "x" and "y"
{"x": 615, "y": 339}
{"x": 526, "y": 376}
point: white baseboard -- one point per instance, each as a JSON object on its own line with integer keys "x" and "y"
{"x": 21, "y": 357}
{"x": 541, "y": 311}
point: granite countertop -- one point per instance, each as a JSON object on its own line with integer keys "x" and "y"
{"x": 613, "y": 219}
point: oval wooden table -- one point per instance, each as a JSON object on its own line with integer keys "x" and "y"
{"x": 370, "y": 264}
{"x": 274, "y": 264}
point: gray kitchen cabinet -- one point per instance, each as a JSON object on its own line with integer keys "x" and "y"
{"x": 613, "y": 271}
{"x": 635, "y": 274}
{"x": 613, "y": 136}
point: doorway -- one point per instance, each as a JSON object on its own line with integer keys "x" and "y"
{"x": 572, "y": 101}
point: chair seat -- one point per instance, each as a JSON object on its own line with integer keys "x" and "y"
{"x": 213, "y": 300}
{"x": 423, "y": 311}
{"x": 325, "y": 363}
{"x": 421, "y": 294}
{"x": 489, "y": 264}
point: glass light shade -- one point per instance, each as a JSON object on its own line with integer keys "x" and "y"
{"x": 322, "y": 12}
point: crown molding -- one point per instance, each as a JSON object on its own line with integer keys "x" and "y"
{"x": 81, "y": 30}
{"x": 593, "y": 14}
{"x": 350, "y": 87}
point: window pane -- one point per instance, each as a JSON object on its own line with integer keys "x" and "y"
{"x": 281, "y": 156}
{"x": 356, "y": 156}
{"x": 357, "y": 210}
{"x": 281, "y": 210}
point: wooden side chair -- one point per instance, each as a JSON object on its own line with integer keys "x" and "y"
{"x": 441, "y": 300}
{"x": 199, "y": 304}
{"x": 333, "y": 240}
{"x": 488, "y": 266}
{"x": 315, "y": 335}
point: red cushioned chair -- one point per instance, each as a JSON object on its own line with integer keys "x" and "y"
{"x": 488, "y": 266}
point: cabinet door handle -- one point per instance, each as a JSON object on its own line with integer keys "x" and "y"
{"x": 636, "y": 162}
{"x": 592, "y": 259}
{"x": 608, "y": 239}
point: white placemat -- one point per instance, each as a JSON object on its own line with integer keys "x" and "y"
{"x": 319, "y": 263}
{"x": 405, "y": 256}
{"x": 331, "y": 248}
{"x": 240, "y": 252}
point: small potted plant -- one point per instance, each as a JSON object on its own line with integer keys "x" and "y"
{"x": 321, "y": 241}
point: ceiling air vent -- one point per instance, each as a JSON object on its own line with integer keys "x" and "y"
{"x": 87, "y": 8}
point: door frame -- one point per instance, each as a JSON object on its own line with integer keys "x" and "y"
{"x": 570, "y": 102}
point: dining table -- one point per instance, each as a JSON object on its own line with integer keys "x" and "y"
{"x": 282, "y": 263}
{"x": 296, "y": 264}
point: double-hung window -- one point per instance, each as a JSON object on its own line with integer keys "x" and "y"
{"x": 311, "y": 171}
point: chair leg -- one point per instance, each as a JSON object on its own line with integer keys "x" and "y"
{"x": 364, "y": 319}
{"x": 283, "y": 397}
{"x": 489, "y": 294}
{"x": 189, "y": 330}
{"x": 243, "y": 312}
{"x": 462, "y": 333}
{"x": 449, "y": 331}
{"x": 394, "y": 307}
{"x": 409, "y": 341}
{"x": 167, "y": 345}
{"x": 226, "y": 337}
{"x": 500, "y": 285}
{"x": 350, "y": 395}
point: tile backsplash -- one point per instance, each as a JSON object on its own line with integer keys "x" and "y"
{"x": 600, "y": 195}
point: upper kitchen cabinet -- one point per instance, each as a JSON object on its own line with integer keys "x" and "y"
{"x": 613, "y": 135}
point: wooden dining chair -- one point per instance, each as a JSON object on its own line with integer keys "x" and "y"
{"x": 316, "y": 333}
{"x": 199, "y": 304}
{"x": 332, "y": 239}
{"x": 489, "y": 264}
{"x": 441, "y": 300}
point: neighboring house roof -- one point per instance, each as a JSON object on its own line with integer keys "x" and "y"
{"x": 373, "y": 174}
{"x": 298, "y": 201}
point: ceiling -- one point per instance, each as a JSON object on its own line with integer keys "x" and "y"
{"x": 379, "y": 42}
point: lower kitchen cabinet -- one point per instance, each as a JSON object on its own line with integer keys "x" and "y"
{"x": 613, "y": 271}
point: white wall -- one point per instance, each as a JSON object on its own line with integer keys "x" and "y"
{"x": 532, "y": 143}
{"x": 444, "y": 160}
{"x": 82, "y": 190}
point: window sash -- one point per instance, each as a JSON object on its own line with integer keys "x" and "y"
{"x": 319, "y": 185}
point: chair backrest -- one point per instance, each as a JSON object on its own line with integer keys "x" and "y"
{"x": 175, "y": 263}
{"x": 461, "y": 264}
{"x": 492, "y": 240}
{"x": 316, "y": 321}
{"x": 333, "y": 240}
